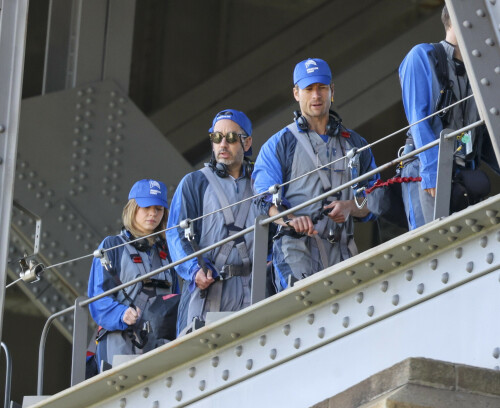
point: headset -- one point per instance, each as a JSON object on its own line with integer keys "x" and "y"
{"x": 220, "y": 169}
{"x": 143, "y": 245}
{"x": 333, "y": 127}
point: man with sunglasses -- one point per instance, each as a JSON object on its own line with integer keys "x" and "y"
{"x": 220, "y": 280}
{"x": 314, "y": 147}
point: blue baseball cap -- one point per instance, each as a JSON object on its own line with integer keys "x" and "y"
{"x": 149, "y": 192}
{"x": 312, "y": 71}
{"x": 237, "y": 117}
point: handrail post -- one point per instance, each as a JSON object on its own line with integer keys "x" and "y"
{"x": 444, "y": 172}
{"x": 259, "y": 263}
{"x": 80, "y": 339}
{"x": 8, "y": 374}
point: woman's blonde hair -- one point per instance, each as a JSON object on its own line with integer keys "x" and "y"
{"x": 128, "y": 218}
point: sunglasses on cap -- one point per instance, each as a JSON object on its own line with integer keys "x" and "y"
{"x": 231, "y": 137}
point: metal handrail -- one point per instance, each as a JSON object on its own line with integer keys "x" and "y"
{"x": 8, "y": 375}
{"x": 261, "y": 222}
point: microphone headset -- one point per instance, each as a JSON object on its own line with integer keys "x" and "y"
{"x": 220, "y": 169}
{"x": 333, "y": 127}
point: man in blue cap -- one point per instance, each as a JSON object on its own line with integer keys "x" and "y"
{"x": 321, "y": 234}
{"x": 220, "y": 281}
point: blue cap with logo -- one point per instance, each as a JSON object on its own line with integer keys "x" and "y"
{"x": 237, "y": 117}
{"x": 312, "y": 71}
{"x": 149, "y": 192}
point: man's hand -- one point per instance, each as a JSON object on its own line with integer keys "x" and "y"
{"x": 131, "y": 315}
{"x": 431, "y": 191}
{"x": 203, "y": 281}
{"x": 340, "y": 210}
{"x": 303, "y": 225}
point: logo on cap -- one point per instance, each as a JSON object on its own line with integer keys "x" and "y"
{"x": 153, "y": 184}
{"x": 310, "y": 63}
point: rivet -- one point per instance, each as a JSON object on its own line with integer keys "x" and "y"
{"x": 142, "y": 377}
{"x": 202, "y": 384}
{"x": 395, "y": 264}
{"x": 296, "y": 343}
{"x": 145, "y": 392}
{"x": 491, "y": 213}
{"x": 169, "y": 381}
{"x": 327, "y": 283}
{"x": 442, "y": 231}
{"x": 490, "y": 257}
{"x": 378, "y": 271}
{"x": 156, "y": 404}
{"x": 192, "y": 372}
{"x": 485, "y": 82}
{"x": 307, "y": 303}
{"x": 470, "y": 266}
{"x": 299, "y": 298}
{"x": 310, "y": 318}
{"x": 2, "y": 128}
{"x": 321, "y": 332}
{"x": 433, "y": 264}
{"x": 384, "y": 286}
{"x": 406, "y": 247}
{"x": 369, "y": 264}
{"x": 496, "y": 352}
{"x": 458, "y": 253}
{"x": 452, "y": 239}
{"x": 304, "y": 293}
{"x": 494, "y": 111}
{"x": 123, "y": 402}
{"x": 110, "y": 382}
{"x": 387, "y": 256}
{"x": 445, "y": 277}
{"x": 235, "y": 335}
{"x": 286, "y": 329}
{"x": 249, "y": 364}
{"x": 477, "y": 228}
{"x": 215, "y": 361}
{"x": 420, "y": 288}
{"x": 409, "y": 275}
{"x": 476, "y": 53}
{"x": 370, "y": 311}
{"x": 395, "y": 300}
{"x": 212, "y": 346}
{"x": 350, "y": 273}
{"x": 467, "y": 24}
{"x": 239, "y": 351}
{"x": 334, "y": 291}
{"x": 225, "y": 375}
{"x": 272, "y": 354}
{"x": 178, "y": 395}
{"x": 480, "y": 13}
{"x": 359, "y": 297}
{"x": 262, "y": 340}
{"x": 433, "y": 247}
{"x": 119, "y": 387}
{"x": 497, "y": 70}
{"x": 215, "y": 335}
{"x": 470, "y": 222}
{"x": 483, "y": 242}
{"x": 335, "y": 308}
{"x": 357, "y": 281}
{"x": 345, "y": 322}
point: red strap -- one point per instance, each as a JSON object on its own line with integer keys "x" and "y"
{"x": 394, "y": 180}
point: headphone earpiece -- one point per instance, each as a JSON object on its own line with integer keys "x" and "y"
{"x": 143, "y": 245}
{"x": 333, "y": 126}
{"x": 220, "y": 169}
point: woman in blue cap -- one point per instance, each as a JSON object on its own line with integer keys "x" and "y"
{"x": 142, "y": 316}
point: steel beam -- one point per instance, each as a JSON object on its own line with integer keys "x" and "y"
{"x": 13, "y": 18}
{"x": 432, "y": 292}
{"x": 477, "y": 26}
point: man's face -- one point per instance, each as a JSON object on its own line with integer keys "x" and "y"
{"x": 314, "y": 100}
{"x": 230, "y": 154}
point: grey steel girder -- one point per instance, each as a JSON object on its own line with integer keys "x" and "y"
{"x": 477, "y": 26}
{"x": 80, "y": 151}
{"x": 432, "y": 292}
{"x": 13, "y": 19}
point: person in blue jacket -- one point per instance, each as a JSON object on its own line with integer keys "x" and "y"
{"x": 122, "y": 327}
{"x": 321, "y": 234}
{"x": 422, "y": 95}
{"x": 221, "y": 280}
